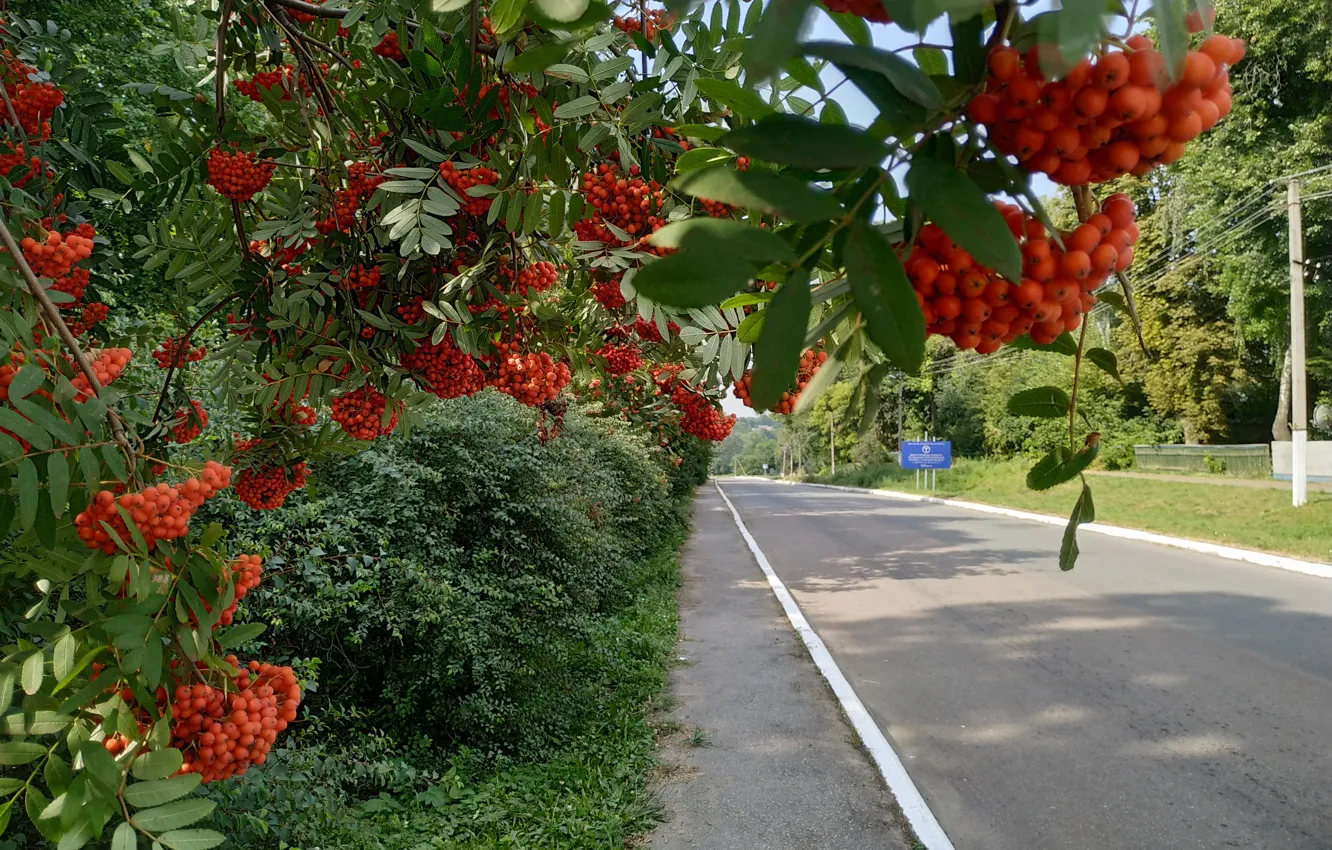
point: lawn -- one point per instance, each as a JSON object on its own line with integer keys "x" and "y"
{"x": 1237, "y": 516}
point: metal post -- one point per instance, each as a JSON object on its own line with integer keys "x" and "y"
{"x": 901, "y": 385}
{"x": 1299, "y": 406}
{"x": 832, "y": 443}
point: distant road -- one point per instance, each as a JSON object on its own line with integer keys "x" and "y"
{"x": 1152, "y": 698}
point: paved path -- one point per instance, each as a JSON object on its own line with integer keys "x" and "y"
{"x": 1251, "y": 483}
{"x": 1150, "y": 699}
{"x": 781, "y": 770}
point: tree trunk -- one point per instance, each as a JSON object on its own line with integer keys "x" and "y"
{"x": 1281, "y": 425}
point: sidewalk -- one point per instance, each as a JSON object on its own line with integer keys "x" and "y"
{"x": 779, "y": 768}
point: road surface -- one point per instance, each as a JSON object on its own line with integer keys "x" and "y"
{"x": 1152, "y": 698}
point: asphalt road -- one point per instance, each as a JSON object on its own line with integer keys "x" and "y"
{"x": 1152, "y": 698}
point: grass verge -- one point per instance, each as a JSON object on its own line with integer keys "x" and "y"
{"x": 1249, "y": 518}
{"x": 593, "y": 795}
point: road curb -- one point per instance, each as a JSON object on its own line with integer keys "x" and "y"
{"x": 928, "y": 831}
{"x": 1265, "y": 559}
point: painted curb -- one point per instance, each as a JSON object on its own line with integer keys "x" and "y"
{"x": 1265, "y": 559}
{"x": 899, "y": 782}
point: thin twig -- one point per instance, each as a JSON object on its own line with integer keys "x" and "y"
{"x": 240, "y": 229}
{"x": 335, "y": 12}
{"x": 13, "y": 115}
{"x": 180, "y": 351}
{"x": 1077, "y": 371}
{"x": 219, "y": 68}
{"x": 1004, "y": 12}
{"x": 62, "y": 330}
{"x": 327, "y": 49}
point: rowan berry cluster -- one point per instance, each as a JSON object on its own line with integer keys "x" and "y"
{"x": 34, "y": 103}
{"x": 810, "y": 362}
{"x": 265, "y": 488}
{"x": 531, "y": 377}
{"x": 653, "y": 21}
{"x": 174, "y": 350}
{"x": 266, "y": 80}
{"x": 17, "y": 157}
{"x": 359, "y": 277}
{"x": 699, "y": 416}
{"x": 223, "y": 731}
{"x": 55, "y": 256}
{"x": 389, "y": 48}
{"x": 294, "y": 412}
{"x": 413, "y": 312}
{"x": 444, "y": 371}
{"x": 649, "y": 332}
{"x": 237, "y": 175}
{"x": 1119, "y": 115}
{"x": 159, "y": 512}
{"x": 362, "y": 180}
{"x": 246, "y": 572}
{"x": 361, "y": 413}
{"x": 462, "y": 179}
{"x": 870, "y": 10}
{"x": 90, "y": 315}
{"x": 537, "y": 277}
{"x": 980, "y": 310}
{"x": 107, "y": 366}
{"x": 621, "y": 358}
{"x": 189, "y": 423}
{"x": 607, "y": 293}
{"x": 630, "y": 204}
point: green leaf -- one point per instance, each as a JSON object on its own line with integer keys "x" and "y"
{"x": 909, "y": 81}
{"x": 951, "y": 200}
{"x": 1173, "y": 33}
{"x": 80, "y": 835}
{"x": 1063, "y": 344}
{"x": 694, "y": 278}
{"x": 29, "y": 378}
{"x": 63, "y": 655}
{"x": 191, "y": 839}
{"x": 563, "y": 11}
{"x": 578, "y": 107}
{"x": 703, "y": 132}
{"x": 750, "y": 327}
{"x": 741, "y": 101}
{"x": 1114, "y": 299}
{"x": 777, "y": 351}
{"x": 931, "y": 60}
{"x": 1076, "y": 27}
{"x": 799, "y": 141}
{"x": 144, "y": 795}
{"x": 240, "y": 635}
{"x": 832, "y": 113}
{"x": 35, "y": 723}
{"x": 1105, "y": 361}
{"x": 597, "y": 12}
{"x": 125, "y": 838}
{"x": 1040, "y": 402}
{"x": 724, "y": 235}
{"x": 157, "y": 764}
{"x": 759, "y": 191}
{"x": 968, "y": 51}
{"x": 100, "y": 765}
{"x": 1083, "y": 511}
{"x": 538, "y": 58}
{"x": 34, "y": 669}
{"x": 774, "y": 40}
{"x": 57, "y": 481}
{"x": 1059, "y": 466}
{"x": 20, "y": 752}
{"x": 700, "y": 158}
{"x": 884, "y": 295}
{"x": 506, "y": 14}
{"x": 7, "y": 680}
{"x": 852, "y": 26}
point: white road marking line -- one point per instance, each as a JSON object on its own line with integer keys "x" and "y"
{"x": 1265, "y": 559}
{"x": 917, "y": 811}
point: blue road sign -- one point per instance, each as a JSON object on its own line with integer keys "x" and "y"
{"x": 931, "y": 455}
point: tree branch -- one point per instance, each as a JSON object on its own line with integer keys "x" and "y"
{"x": 332, "y": 12}
{"x": 181, "y": 346}
{"x": 62, "y": 330}
{"x": 219, "y": 68}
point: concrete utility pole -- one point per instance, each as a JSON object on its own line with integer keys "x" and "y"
{"x": 901, "y": 407}
{"x": 832, "y": 444}
{"x": 1299, "y": 406}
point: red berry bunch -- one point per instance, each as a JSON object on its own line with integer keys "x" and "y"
{"x": 442, "y": 370}
{"x": 532, "y": 378}
{"x": 621, "y": 358}
{"x": 627, "y": 203}
{"x": 160, "y": 511}
{"x": 361, "y": 413}
{"x": 412, "y": 313}
{"x": 360, "y": 277}
{"x": 654, "y": 20}
{"x": 1119, "y": 115}
{"x": 699, "y": 416}
{"x": 980, "y": 310}
{"x": 462, "y": 179}
{"x": 223, "y": 731}
{"x": 607, "y": 293}
{"x": 174, "y": 350}
{"x": 265, "y": 488}
{"x": 246, "y": 572}
{"x": 362, "y": 181}
{"x": 870, "y": 10}
{"x": 18, "y": 157}
{"x": 55, "y": 256}
{"x": 189, "y": 423}
{"x": 34, "y": 103}
{"x": 265, "y": 80}
{"x": 389, "y": 48}
{"x": 90, "y": 315}
{"x": 107, "y": 366}
{"x": 810, "y": 362}
{"x": 237, "y": 175}
{"x": 537, "y": 277}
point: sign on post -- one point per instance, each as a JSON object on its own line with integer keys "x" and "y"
{"x": 918, "y": 454}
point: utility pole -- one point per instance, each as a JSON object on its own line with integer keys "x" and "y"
{"x": 832, "y": 444}
{"x": 1299, "y": 406}
{"x": 901, "y": 385}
